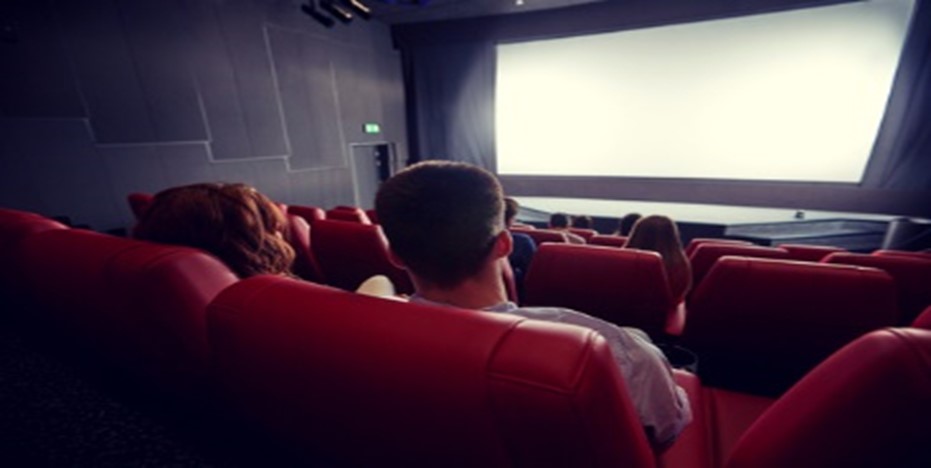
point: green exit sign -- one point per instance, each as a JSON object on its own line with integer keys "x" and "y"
{"x": 372, "y": 128}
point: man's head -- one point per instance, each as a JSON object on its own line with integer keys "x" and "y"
{"x": 559, "y": 220}
{"x": 442, "y": 219}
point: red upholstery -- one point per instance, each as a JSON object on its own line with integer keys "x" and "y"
{"x": 350, "y": 253}
{"x": 923, "y": 320}
{"x": 867, "y": 406}
{"x": 696, "y": 242}
{"x": 364, "y": 381}
{"x": 140, "y": 305}
{"x": 903, "y": 253}
{"x": 624, "y": 286}
{"x": 608, "y": 241}
{"x": 704, "y": 257}
{"x": 760, "y": 324}
{"x": 373, "y": 215}
{"x": 348, "y": 213}
{"x": 809, "y": 253}
{"x": 912, "y": 277}
{"x": 584, "y": 233}
{"x": 693, "y": 448}
{"x": 14, "y": 227}
{"x": 139, "y": 202}
{"x": 731, "y": 413}
{"x": 305, "y": 263}
{"x": 311, "y": 214}
{"x": 542, "y": 236}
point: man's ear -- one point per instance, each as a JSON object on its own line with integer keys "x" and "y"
{"x": 395, "y": 260}
{"x": 503, "y": 244}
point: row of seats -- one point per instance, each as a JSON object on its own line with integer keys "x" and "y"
{"x": 628, "y": 287}
{"x": 355, "y": 380}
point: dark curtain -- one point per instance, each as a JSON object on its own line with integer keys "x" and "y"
{"x": 902, "y": 154}
{"x": 450, "y": 92}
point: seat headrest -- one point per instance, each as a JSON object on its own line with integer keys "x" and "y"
{"x": 333, "y": 371}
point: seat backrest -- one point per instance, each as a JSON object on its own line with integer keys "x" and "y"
{"x": 809, "y": 253}
{"x": 868, "y": 405}
{"x": 696, "y": 242}
{"x": 902, "y": 253}
{"x": 923, "y": 320}
{"x": 305, "y": 263}
{"x": 912, "y": 277}
{"x": 762, "y": 323}
{"x": 141, "y": 306}
{"x": 608, "y": 241}
{"x": 139, "y": 202}
{"x": 348, "y": 213}
{"x": 373, "y": 215}
{"x": 364, "y": 381}
{"x": 584, "y": 233}
{"x": 15, "y": 226}
{"x": 311, "y": 214}
{"x": 542, "y": 236}
{"x": 704, "y": 257}
{"x": 623, "y": 286}
{"x": 350, "y": 253}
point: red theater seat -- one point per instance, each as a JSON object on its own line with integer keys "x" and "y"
{"x": 348, "y": 213}
{"x": 923, "y": 320}
{"x": 608, "y": 241}
{"x": 704, "y": 257}
{"x": 912, "y": 277}
{"x": 305, "y": 263}
{"x": 903, "y": 253}
{"x": 311, "y": 214}
{"x": 139, "y": 202}
{"x": 866, "y": 406}
{"x": 760, "y": 324}
{"x": 373, "y": 216}
{"x": 350, "y": 253}
{"x": 623, "y": 286}
{"x": 362, "y": 381}
{"x": 698, "y": 241}
{"x": 586, "y": 234}
{"x": 138, "y": 305}
{"x": 543, "y": 236}
{"x": 809, "y": 253}
{"x": 14, "y": 227}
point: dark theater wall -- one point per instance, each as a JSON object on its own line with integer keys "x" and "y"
{"x": 100, "y": 98}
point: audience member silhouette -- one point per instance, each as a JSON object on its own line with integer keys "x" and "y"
{"x": 660, "y": 234}
{"x": 524, "y": 246}
{"x": 445, "y": 224}
{"x": 561, "y": 222}
{"x": 625, "y": 224}
{"x": 582, "y": 222}
{"x": 234, "y": 222}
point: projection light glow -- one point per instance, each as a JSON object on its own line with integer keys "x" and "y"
{"x": 795, "y": 96}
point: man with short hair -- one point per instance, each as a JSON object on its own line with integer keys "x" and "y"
{"x": 561, "y": 222}
{"x": 445, "y": 225}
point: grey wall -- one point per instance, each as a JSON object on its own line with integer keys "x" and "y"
{"x": 100, "y": 98}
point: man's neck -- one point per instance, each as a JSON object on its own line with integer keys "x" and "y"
{"x": 485, "y": 289}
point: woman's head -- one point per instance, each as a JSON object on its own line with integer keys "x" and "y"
{"x": 657, "y": 233}
{"x": 234, "y": 222}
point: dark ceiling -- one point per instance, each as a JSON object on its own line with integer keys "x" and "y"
{"x": 410, "y": 11}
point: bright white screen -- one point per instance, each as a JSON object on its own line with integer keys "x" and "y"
{"x": 795, "y": 96}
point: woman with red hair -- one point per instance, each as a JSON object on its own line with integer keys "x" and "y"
{"x": 234, "y": 222}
